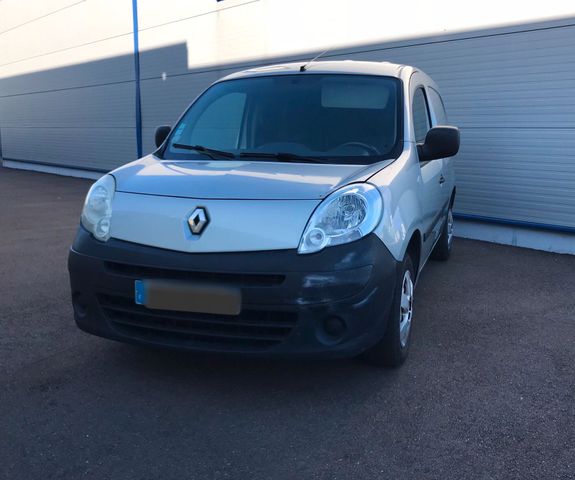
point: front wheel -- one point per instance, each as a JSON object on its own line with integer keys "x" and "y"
{"x": 442, "y": 249}
{"x": 392, "y": 350}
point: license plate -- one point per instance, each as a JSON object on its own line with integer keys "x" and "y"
{"x": 187, "y": 297}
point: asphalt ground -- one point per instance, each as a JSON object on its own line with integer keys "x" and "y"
{"x": 487, "y": 393}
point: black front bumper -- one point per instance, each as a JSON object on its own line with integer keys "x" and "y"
{"x": 332, "y": 303}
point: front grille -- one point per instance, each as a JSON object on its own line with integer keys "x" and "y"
{"x": 251, "y": 329}
{"x": 235, "y": 279}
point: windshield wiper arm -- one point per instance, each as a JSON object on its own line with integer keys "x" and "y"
{"x": 210, "y": 152}
{"x": 282, "y": 157}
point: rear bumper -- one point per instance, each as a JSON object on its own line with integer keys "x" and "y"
{"x": 333, "y": 303}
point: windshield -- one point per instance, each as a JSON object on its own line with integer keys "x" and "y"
{"x": 353, "y": 119}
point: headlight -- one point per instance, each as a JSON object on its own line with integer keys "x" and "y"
{"x": 97, "y": 212}
{"x": 346, "y": 215}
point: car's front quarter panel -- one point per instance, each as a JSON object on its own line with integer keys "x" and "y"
{"x": 402, "y": 213}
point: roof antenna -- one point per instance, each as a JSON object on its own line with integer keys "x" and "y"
{"x": 303, "y": 68}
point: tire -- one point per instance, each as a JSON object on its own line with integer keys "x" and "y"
{"x": 442, "y": 249}
{"x": 392, "y": 349}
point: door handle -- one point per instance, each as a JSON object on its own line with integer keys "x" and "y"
{"x": 441, "y": 180}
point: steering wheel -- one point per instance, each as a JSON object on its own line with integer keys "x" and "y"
{"x": 369, "y": 149}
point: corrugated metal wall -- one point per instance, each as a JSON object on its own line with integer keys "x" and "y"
{"x": 67, "y": 82}
{"x": 513, "y": 97}
{"x": 511, "y": 90}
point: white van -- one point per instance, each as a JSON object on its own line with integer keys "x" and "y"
{"x": 288, "y": 212}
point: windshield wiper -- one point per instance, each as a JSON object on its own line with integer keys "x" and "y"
{"x": 282, "y": 157}
{"x": 210, "y": 152}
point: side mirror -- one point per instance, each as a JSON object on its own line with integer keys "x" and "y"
{"x": 440, "y": 142}
{"x": 161, "y": 134}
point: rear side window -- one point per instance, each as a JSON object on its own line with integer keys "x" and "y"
{"x": 437, "y": 106}
{"x": 421, "y": 122}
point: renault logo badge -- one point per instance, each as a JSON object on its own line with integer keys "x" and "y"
{"x": 198, "y": 220}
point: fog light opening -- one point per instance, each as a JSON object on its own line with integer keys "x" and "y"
{"x": 334, "y": 328}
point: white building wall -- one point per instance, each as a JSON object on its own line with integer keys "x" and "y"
{"x": 232, "y": 31}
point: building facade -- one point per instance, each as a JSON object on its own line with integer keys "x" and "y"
{"x": 83, "y": 84}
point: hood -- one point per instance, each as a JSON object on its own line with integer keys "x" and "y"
{"x": 233, "y": 179}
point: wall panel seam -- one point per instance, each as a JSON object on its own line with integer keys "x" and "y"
{"x": 41, "y": 17}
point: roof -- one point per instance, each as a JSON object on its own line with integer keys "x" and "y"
{"x": 343, "y": 66}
